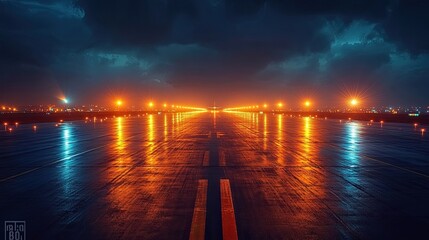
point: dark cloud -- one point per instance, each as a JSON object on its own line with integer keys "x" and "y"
{"x": 258, "y": 48}
{"x": 407, "y": 25}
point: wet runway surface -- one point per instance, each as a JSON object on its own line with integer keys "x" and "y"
{"x": 216, "y": 176}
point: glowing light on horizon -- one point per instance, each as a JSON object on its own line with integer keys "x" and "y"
{"x": 307, "y": 103}
{"x": 354, "y": 102}
{"x": 118, "y": 103}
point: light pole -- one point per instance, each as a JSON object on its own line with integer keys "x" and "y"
{"x": 118, "y": 104}
{"x": 353, "y": 103}
{"x": 65, "y": 101}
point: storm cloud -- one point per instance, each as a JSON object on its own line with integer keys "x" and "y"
{"x": 231, "y": 51}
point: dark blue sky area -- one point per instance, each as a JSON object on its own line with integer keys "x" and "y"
{"x": 231, "y": 51}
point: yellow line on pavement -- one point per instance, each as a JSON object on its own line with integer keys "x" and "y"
{"x": 229, "y": 227}
{"x": 199, "y": 218}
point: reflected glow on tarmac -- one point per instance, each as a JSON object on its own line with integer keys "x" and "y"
{"x": 288, "y": 177}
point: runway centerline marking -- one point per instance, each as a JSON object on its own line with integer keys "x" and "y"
{"x": 199, "y": 218}
{"x": 206, "y": 159}
{"x": 229, "y": 227}
{"x": 222, "y": 161}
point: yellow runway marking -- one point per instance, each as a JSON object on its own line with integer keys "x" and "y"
{"x": 198, "y": 226}
{"x": 206, "y": 159}
{"x": 229, "y": 227}
{"x": 222, "y": 161}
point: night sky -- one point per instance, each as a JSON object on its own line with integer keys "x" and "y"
{"x": 229, "y": 51}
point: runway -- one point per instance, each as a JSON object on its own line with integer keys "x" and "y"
{"x": 216, "y": 175}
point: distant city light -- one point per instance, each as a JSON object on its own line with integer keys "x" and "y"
{"x": 279, "y": 104}
{"x": 265, "y": 105}
{"x": 118, "y": 103}
{"x": 151, "y": 104}
{"x": 65, "y": 100}
{"x": 165, "y": 105}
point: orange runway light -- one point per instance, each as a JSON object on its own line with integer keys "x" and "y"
{"x": 354, "y": 102}
{"x": 307, "y": 103}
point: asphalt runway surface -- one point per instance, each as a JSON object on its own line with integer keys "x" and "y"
{"x": 216, "y": 175}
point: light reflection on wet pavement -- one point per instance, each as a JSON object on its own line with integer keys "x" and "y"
{"x": 216, "y": 175}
